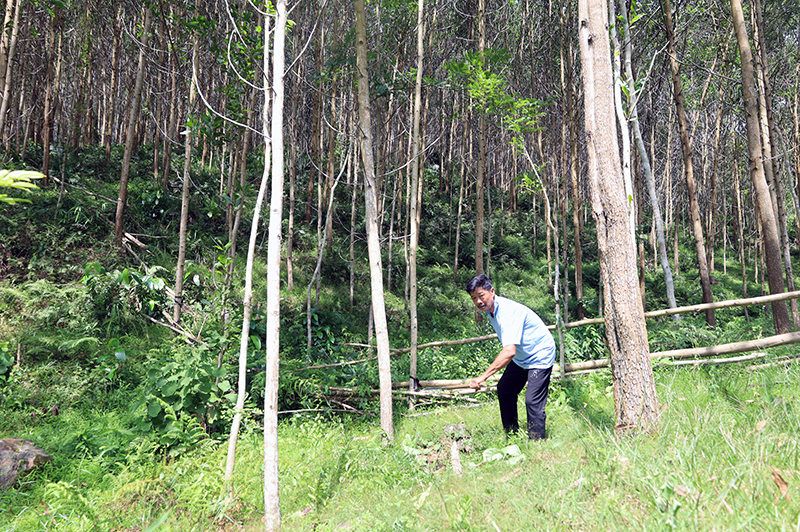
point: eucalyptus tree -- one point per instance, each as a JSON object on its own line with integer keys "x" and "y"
{"x": 370, "y": 199}
{"x": 8, "y": 47}
{"x": 416, "y": 185}
{"x": 633, "y": 106}
{"x": 187, "y": 166}
{"x": 635, "y": 399}
{"x": 769, "y": 226}
{"x": 133, "y": 120}
{"x": 272, "y": 517}
{"x": 688, "y": 165}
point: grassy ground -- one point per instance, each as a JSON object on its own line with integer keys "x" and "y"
{"x": 726, "y": 447}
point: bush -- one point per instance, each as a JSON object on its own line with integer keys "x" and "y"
{"x": 184, "y": 399}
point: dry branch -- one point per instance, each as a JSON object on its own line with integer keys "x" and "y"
{"x": 678, "y": 354}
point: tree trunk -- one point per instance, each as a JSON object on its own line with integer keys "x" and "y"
{"x": 293, "y": 132}
{"x": 635, "y": 400}
{"x": 7, "y": 71}
{"x": 187, "y": 167}
{"x": 769, "y": 225}
{"x": 771, "y": 169}
{"x": 51, "y": 96}
{"x": 136, "y": 99}
{"x": 5, "y": 55}
{"x": 461, "y": 186}
{"x": 622, "y": 121}
{"x": 658, "y": 220}
{"x": 481, "y": 178}
{"x": 577, "y": 193}
{"x": 272, "y": 510}
{"x": 414, "y": 196}
{"x": 109, "y": 117}
{"x": 247, "y": 302}
{"x": 688, "y": 166}
{"x": 373, "y": 244}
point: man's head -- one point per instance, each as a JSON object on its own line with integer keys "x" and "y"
{"x": 481, "y": 291}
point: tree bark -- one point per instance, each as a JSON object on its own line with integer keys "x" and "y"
{"x": 109, "y": 117}
{"x": 769, "y": 225}
{"x": 373, "y": 244}
{"x": 247, "y": 301}
{"x": 635, "y": 400}
{"x": 414, "y": 196}
{"x": 658, "y": 219}
{"x": 51, "y": 95}
{"x": 481, "y": 177}
{"x": 133, "y": 119}
{"x": 272, "y": 510}
{"x": 769, "y": 139}
{"x": 688, "y": 166}
{"x": 8, "y": 70}
{"x": 187, "y": 167}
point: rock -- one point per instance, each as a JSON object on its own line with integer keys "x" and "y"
{"x": 17, "y": 457}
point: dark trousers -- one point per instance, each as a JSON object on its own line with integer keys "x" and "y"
{"x": 511, "y": 383}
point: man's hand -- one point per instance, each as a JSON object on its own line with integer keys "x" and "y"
{"x": 476, "y": 383}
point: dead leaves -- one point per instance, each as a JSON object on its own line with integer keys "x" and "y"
{"x": 783, "y": 486}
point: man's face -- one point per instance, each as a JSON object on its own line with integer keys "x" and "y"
{"x": 483, "y": 299}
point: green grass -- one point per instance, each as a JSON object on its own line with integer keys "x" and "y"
{"x": 723, "y": 434}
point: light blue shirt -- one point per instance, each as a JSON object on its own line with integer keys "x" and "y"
{"x": 516, "y": 324}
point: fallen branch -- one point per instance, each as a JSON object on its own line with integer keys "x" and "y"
{"x": 783, "y": 361}
{"x": 176, "y": 329}
{"x": 695, "y": 352}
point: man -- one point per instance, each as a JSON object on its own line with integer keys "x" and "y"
{"x": 528, "y": 355}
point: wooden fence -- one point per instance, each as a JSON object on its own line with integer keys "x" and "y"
{"x": 459, "y": 388}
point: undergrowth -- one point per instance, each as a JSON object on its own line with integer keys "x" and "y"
{"x": 723, "y": 457}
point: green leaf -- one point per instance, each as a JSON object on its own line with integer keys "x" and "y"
{"x": 153, "y": 409}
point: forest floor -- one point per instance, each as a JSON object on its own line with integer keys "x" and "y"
{"x": 724, "y": 456}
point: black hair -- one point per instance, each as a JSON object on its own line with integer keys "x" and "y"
{"x": 479, "y": 281}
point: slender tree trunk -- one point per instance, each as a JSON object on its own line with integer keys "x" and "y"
{"x": 461, "y": 173}
{"x": 577, "y": 193}
{"x": 688, "y": 166}
{"x": 136, "y": 99}
{"x": 272, "y": 510}
{"x": 481, "y": 177}
{"x": 622, "y": 120}
{"x": 316, "y": 126}
{"x": 247, "y": 301}
{"x": 635, "y": 400}
{"x": 373, "y": 244}
{"x": 187, "y": 167}
{"x": 293, "y": 130}
{"x": 51, "y": 96}
{"x": 8, "y": 70}
{"x": 352, "y": 173}
{"x": 769, "y": 225}
{"x": 5, "y": 55}
{"x": 658, "y": 220}
{"x": 166, "y": 161}
{"x": 769, "y": 139}
{"x": 415, "y": 186}
{"x": 112, "y": 90}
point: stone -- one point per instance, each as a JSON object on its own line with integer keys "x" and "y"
{"x": 17, "y": 457}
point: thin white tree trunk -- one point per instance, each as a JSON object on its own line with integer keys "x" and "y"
{"x": 272, "y": 510}
{"x": 415, "y": 185}
{"x": 12, "y": 46}
{"x": 373, "y": 244}
{"x": 187, "y": 165}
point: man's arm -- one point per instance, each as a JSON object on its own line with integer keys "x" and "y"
{"x": 499, "y": 363}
